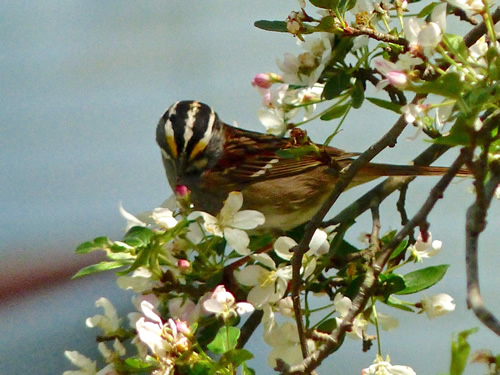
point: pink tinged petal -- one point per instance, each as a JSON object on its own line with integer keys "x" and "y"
{"x": 282, "y": 247}
{"x": 250, "y": 275}
{"x": 247, "y": 219}
{"x": 150, "y": 334}
{"x": 384, "y": 66}
{"x": 397, "y": 79}
{"x": 238, "y": 240}
{"x": 262, "y": 80}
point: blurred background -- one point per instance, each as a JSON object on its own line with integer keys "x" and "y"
{"x": 83, "y": 84}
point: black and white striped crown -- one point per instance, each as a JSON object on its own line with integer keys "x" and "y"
{"x": 185, "y": 130}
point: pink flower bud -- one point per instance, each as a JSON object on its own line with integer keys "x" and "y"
{"x": 182, "y": 191}
{"x": 397, "y": 79}
{"x": 262, "y": 80}
{"x": 183, "y": 264}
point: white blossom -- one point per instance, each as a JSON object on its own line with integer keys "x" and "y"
{"x": 381, "y": 367}
{"x": 109, "y": 322}
{"x": 164, "y": 217}
{"x": 268, "y": 285}
{"x": 474, "y": 6}
{"x": 140, "y": 280}
{"x": 427, "y": 249}
{"x": 286, "y": 344}
{"x": 165, "y": 340}
{"x": 230, "y": 223}
{"x": 86, "y": 365}
{"x": 342, "y": 305}
{"x": 223, "y": 304}
{"x": 437, "y": 305}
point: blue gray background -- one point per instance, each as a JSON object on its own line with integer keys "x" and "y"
{"x": 83, "y": 84}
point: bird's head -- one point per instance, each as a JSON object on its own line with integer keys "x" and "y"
{"x": 190, "y": 137}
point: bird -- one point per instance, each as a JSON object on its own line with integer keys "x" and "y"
{"x": 286, "y": 179}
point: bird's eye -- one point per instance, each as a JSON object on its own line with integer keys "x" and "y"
{"x": 197, "y": 165}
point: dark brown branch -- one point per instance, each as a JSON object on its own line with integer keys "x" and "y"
{"x": 477, "y": 32}
{"x": 370, "y": 281}
{"x": 249, "y": 327}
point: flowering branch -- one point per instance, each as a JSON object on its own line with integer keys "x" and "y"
{"x": 371, "y": 277}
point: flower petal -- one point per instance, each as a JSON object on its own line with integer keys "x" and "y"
{"x": 238, "y": 240}
{"x": 247, "y": 219}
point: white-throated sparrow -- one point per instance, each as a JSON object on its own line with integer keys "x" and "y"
{"x": 212, "y": 159}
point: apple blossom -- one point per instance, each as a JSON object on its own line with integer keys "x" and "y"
{"x": 109, "y": 323}
{"x": 223, "y": 304}
{"x": 268, "y": 285}
{"x": 342, "y": 305}
{"x": 230, "y": 223}
{"x": 381, "y": 367}
{"x": 425, "y": 249}
{"x": 437, "y": 305}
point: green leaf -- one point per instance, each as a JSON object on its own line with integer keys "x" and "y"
{"x": 460, "y": 350}
{"x": 237, "y": 356}
{"x": 401, "y": 247}
{"x": 422, "y": 279}
{"x": 135, "y": 365}
{"x": 225, "y": 340}
{"x": 336, "y": 84}
{"x": 138, "y": 236}
{"x": 297, "y": 152}
{"x": 326, "y": 24}
{"x": 426, "y": 10}
{"x": 99, "y": 243}
{"x": 325, "y": 4}
{"x": 358, "y": 94}
{"x": 397, "y": 303}
{"x": 247, "y": 370}
{"x": 385, "y": 104}
{"x": 328, "y": 325}
{"x": 456, "y": 42}
{"x": 279, "y": 26}
{"x": 448, "y": 85}
{"x": 335, "y": 112}
{"x": 99, "y": 267}
{"x": 390, "y": 283}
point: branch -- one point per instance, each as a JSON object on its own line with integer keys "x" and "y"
{"x": 371, "y": 277}
{"x": 477, "y": 32}
{"x": 385, "y": 188}
{"x": 343, "y": 182}
{"x": 377, "y": 35}
{"x": 476, "y": 223}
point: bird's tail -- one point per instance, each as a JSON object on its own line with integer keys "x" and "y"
{"x": 374, "y": 169}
